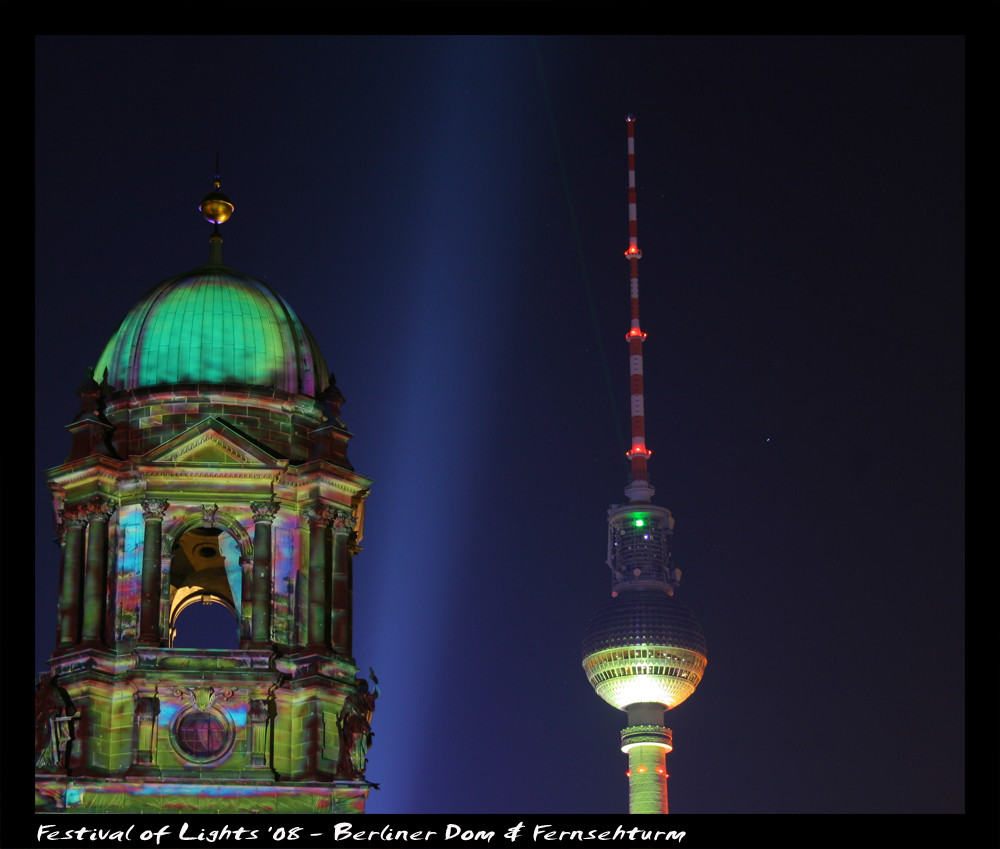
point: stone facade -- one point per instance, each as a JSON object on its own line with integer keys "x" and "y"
{"x": 239, "y": 497}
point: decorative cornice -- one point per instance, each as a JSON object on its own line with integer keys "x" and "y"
{"x": 329, "y": 473}
{"x": 208, "y": 438}
{"x": 131, "y": 479}
{"x": 68, "y": 476}
{"x": 208, "y": 473}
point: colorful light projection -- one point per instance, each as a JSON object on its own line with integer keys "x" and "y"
{"x": 213, "y": 326}
{"x": 130, "y": 541}
{"x": 208, "y": 471}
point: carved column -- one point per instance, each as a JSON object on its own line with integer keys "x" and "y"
{"x": 246, "y": 601}
{"x": 319, "y": 566}
{"x": 260, "y": 714}
{"x": 95, "y": 589}
{"x": 340, "y": 613}
{"x": 146, "y": 710}
{"x": 263, "y": 516}
{"x": 152, "y": 541}
{"x": 74, "y": 523}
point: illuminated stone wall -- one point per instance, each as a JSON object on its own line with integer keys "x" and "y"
{"x": 237, "y": 496}
{"x": 145, "y": 419}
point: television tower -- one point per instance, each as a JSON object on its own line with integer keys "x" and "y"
{"x": 644, "y": 651}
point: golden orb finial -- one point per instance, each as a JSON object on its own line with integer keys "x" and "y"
{"x": 215, "y": 206}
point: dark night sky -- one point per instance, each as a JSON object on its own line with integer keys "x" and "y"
{"x": 448, "y": 216}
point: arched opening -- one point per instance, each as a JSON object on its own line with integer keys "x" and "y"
{"x": 205, "y": 622}
{"x": 205, "y": 590}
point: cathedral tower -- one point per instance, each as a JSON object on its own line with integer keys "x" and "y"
{"x": 644, "y": 652}
{"x": 207, "y": 466}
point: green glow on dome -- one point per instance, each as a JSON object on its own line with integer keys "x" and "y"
{"x": 640, "y": 522}
{"x": 213, "y": 326}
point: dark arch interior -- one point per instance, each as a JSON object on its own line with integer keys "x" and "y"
{"x": 206, "y": 626}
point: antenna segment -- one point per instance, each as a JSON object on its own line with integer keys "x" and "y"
{"x": 639, "y": 488}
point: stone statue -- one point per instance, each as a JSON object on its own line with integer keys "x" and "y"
{"x": 52, "y": 724}
{"x": 354, "y": 725}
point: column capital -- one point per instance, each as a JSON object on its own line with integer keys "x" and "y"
{"x": 154, "y": 508}
{"x": 264, "y": 511}
{"x": 259, "y": 710}
{"x": 319, "y": 514}
{"x": 146, "y": 706}
{"x": 100, "y": 507}
{"x": 343, "y": 522}
{"x": 75, "y": 515}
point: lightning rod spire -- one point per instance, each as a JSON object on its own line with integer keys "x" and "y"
{"x": 639, "y": 488}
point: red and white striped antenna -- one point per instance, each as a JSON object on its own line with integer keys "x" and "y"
{"x": 639, "y": 488}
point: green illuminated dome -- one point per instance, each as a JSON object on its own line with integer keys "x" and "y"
{"x": 214, "y": 326}
{"x": 644, "y": 646}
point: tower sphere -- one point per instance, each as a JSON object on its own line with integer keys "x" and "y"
{"x": 214, "y": 326}
{"x": 644, "y": 647}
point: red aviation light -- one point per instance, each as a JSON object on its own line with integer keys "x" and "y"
{"x": 634, "y": 333}
{"x": 639, "y": 451}
{"x": 633, "y": 251}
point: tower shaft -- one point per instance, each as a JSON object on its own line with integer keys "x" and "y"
{"x": 647, "y": 747}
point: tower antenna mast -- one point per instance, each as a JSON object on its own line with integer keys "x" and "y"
{"x": 639, "y": 488}
{"x": 644, "y": 651}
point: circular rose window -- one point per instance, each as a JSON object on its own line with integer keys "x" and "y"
{"x": 203, "y": 735}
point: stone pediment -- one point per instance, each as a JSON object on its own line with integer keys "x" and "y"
{"x": 210, "y": 443}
